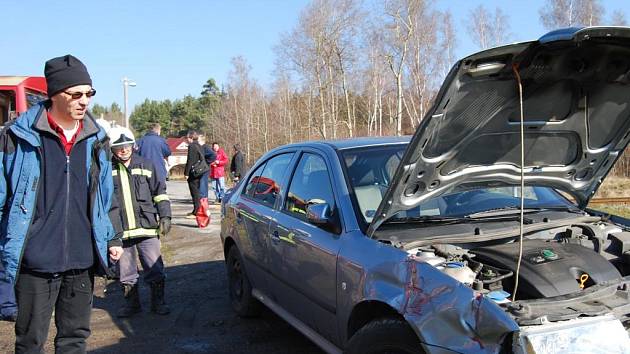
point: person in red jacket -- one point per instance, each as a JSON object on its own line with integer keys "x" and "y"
{"x": 217, "y": 172}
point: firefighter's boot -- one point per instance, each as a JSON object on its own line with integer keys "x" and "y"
{"x": 132, "y": 301}
{"x": 158, "y": 305}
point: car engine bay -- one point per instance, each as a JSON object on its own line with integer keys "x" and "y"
{"x": 556, "y": 261}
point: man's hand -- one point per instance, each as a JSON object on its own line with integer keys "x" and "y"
{"x": 115, "y": 253}
{"x": 165, "y": 226}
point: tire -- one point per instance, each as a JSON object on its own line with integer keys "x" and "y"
{"x": 240, "y": 289}
{"x": 385, "y": 336}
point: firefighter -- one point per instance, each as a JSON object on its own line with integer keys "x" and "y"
{"x": 146, "y": 216}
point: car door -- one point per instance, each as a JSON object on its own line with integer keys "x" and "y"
{"x": 255, "y": 209}
{"x": 306, "y": 272}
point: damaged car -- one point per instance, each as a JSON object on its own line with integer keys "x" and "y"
{"x": 472, "y": 236}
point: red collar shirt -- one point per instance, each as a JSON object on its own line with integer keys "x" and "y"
{"x": 65, "y": 143}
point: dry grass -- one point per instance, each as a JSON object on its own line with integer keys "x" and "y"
{"x": 619, "y": 210}
{"x": 611, "y": 188}
{"x": 614, "y": 187}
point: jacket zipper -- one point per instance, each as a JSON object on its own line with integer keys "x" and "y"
{"x": 24, "y": 210}
{"x": 65, "y": 229}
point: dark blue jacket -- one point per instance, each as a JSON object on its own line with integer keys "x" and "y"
{"x": 59, "y": 236}
{"x": 142, "y": 197}
{"x": 154, "y": 148}
{"x": 21, "y": 170}
{"x": 209, "y": 154}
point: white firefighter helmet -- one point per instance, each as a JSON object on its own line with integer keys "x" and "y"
{"x": 104, "y": 124}
{"x": 119, "y": 136}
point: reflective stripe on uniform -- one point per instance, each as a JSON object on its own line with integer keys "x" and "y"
{"x": 160, "y": 197}
{"x": 140, "y": 233}
{"x": 141, "y": 172}
{"x": 114, "y": 172}
{"x": 126, "y": 191}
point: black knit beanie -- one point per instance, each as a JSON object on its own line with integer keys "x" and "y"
{"x": 63, "y": 72}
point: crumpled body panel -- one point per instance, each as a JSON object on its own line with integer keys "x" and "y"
{"x": 446, "y": 315}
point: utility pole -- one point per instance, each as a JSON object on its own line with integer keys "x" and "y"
{"x": 127, "y": 82}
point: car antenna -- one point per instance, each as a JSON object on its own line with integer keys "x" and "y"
{"x": 522, "y": 138}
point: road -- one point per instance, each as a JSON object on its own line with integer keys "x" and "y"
{"x": 201, "y": 320}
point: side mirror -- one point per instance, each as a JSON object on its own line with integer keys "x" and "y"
{"x": 320, "y": 214}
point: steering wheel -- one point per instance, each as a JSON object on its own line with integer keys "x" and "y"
{"x": 465, "y": 197}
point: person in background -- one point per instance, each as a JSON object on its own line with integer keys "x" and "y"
{"x": 217, "y": 172}
{"x": 145, "y": 210}
{"x": 154, "y": 148}
{"x": 203, "y": 181}
{"x": 195, "y": 154}
{"x": 237, "y": 165}
{"x": 59, "y": 221}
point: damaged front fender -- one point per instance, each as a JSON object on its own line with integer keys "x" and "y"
{"x": 446, "y": 315}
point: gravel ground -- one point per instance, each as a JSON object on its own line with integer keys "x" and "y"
{"x": 201, "y": 320}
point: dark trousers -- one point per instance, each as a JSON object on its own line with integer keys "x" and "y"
{"x": 194, "y": 185}
{"x": 69, "y": 294}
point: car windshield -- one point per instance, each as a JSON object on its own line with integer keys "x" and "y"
{"x": 370, "y": 171}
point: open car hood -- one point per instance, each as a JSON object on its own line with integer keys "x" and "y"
{"x": 576, "y": 102}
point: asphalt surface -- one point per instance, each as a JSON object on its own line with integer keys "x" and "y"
{"x": 201, "y": 319}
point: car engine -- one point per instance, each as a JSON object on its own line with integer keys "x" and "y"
{"x": 555, "y": 262}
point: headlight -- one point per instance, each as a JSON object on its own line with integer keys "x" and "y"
{"x": 602, "y": 334}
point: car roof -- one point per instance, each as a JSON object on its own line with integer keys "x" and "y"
{"x": 342, "y": 144}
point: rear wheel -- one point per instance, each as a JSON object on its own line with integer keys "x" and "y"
{"x": 241, "y": 298}
{"x": 385, "y": 336}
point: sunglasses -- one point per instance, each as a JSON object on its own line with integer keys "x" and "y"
{"x": 77, "y": 94}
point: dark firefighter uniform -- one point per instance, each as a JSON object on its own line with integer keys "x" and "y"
{"x": 143, "y": 203}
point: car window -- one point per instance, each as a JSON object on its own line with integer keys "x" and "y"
{"x": 370, "y": 171}
{"x": 253, "y": 180}
{"x": 310, "y": 185}
{"x": 268, "y": 181}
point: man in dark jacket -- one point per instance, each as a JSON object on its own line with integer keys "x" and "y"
{"x": 194, "y": 160}
{"x": 146, "y": 215}
{"x": 154, "y": 148}
{"x": 237, "y": 166}
{"x": 55, "y": 195}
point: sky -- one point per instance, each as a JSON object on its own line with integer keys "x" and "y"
{"x": 170, "y": 48}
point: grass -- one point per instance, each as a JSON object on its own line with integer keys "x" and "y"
{"x": 619, "y": 210}
{"x": 614, "y": 187}
{"x": 611, "y": 188}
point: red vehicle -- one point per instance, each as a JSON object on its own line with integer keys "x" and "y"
{"x": 19, "y": 93}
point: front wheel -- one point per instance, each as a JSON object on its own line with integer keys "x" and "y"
{"x": 241, "y": 298}
{"x": 385, "y": 336}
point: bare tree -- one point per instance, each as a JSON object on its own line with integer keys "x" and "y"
{"x": 449, "y": 42}
{"x": 570, "y": 13}
{"x": 374, "y": 74}
{"x": 400, "y": 29}
{"x": 487, "y": 29}
{"x": 618, "y": 18}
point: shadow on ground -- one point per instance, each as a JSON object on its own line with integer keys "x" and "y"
{"x": 201, "y": 319}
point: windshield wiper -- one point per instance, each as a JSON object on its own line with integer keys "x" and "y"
{"x": 511, "y": 210}
{"x": 432, "y": 219}
{"x": 429, "y": 219}
{"x": 570, "y": 209}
